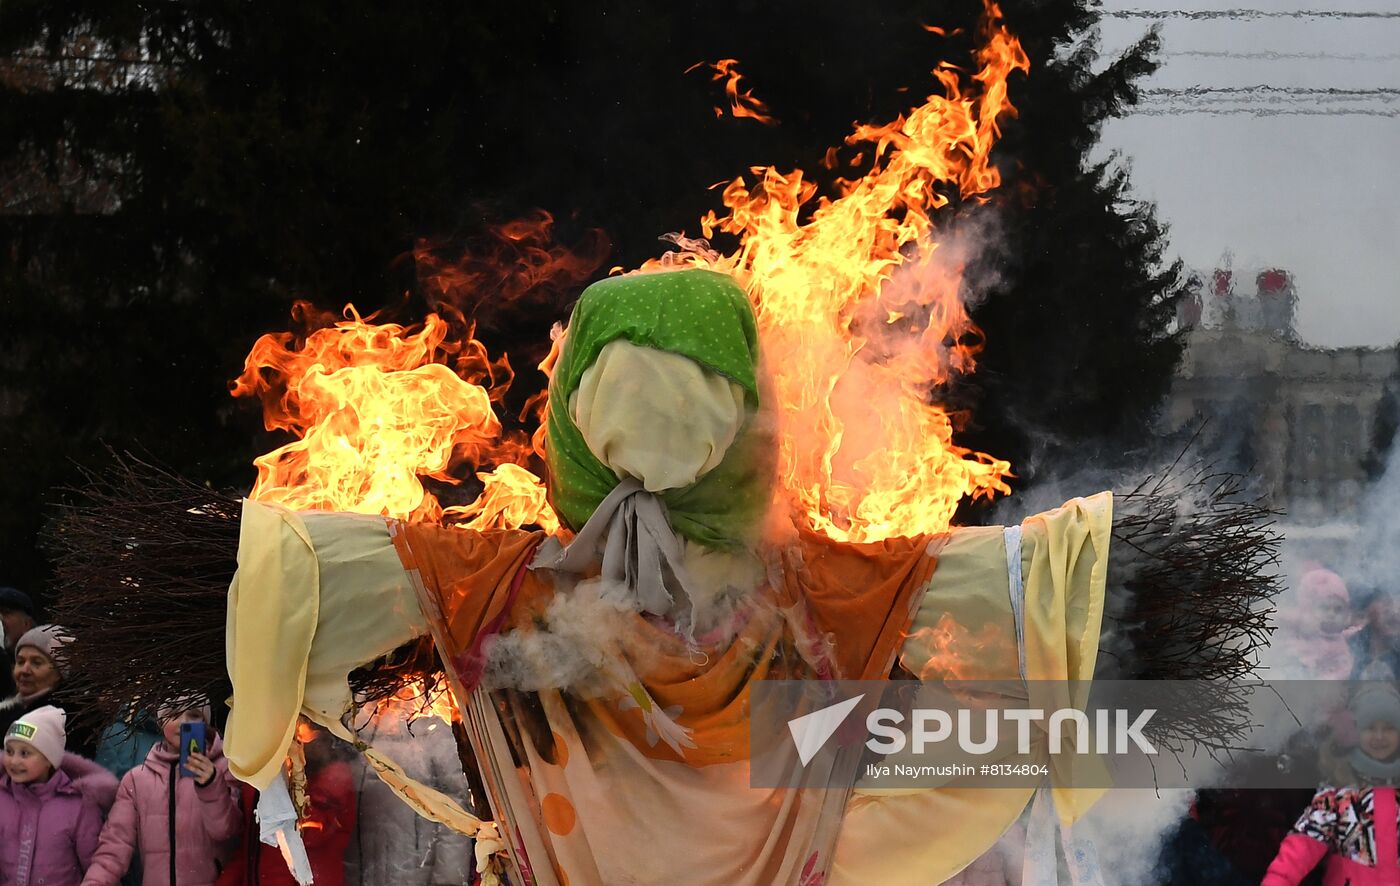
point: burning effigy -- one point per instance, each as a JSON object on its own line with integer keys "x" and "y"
{"x": 746, "y": 476}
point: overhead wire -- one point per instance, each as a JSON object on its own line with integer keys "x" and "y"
{"x": 1262, "y": 90}
{"x": 1270, "y": 101}
{"x": 1276, "y": 111}
{"x": 1250, "y": 14}
{"x": 1274, "y": 55}
{"x": 1267, "y": 100}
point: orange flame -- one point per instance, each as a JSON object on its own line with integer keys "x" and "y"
{"x": 417, "y": 700}
{"x": 513, "y": 264}
{"x": 860, "y": 315}
{"x": 378, "y": 407}
{"x": 860, "y": 318}
{"x": 512, "y": 496}
{"x": 741, "y": 104}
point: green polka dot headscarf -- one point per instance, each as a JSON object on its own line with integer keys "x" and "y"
{"x": 699, "y": 314}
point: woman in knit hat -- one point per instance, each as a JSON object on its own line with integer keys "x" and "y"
{"x": 38, "y": 673}
{"x": 16, "y": 617}
{"x": 52, "y": 804}
{"x": 1354, "y": 826}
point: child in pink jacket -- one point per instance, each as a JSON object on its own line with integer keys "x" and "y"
{"x": 185, "y": 849}
{"x": 1354, "y": 826}
{"x": 51, "y": 804}
{"x": 1316, "y": 634}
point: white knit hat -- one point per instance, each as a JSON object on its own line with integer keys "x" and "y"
{"x": 1376, "y": 702}
{"x": 44, "y": 728}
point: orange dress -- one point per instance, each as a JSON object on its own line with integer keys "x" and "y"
{"x": 642, "y": 776}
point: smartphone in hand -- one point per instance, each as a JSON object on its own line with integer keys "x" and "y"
{"x": 192, "y": 741}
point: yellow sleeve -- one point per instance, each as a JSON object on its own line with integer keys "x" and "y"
{"x": 1064, "y": 560}
{"x": 316, "y": 595}
{"x": 964, "y": 628}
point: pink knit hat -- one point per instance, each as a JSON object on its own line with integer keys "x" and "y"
{"x": 48, "y": 639}
{"x": 44, "y": 729}
{"x": 1320, "y": 585}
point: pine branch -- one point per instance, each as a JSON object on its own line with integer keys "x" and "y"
{"x": 143, "y": 570}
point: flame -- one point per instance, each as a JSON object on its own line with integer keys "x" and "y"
{"x": 510, "y": 264}
{"x": 741, "y": 104}
{"x": 305, "y": 732}
{"x": 512, "y": 497}
{"x": 860, "y": 317}
{"x": 418, "y": 700}
{"x": 379, "y": 407}
{"x": 864, "y": 453}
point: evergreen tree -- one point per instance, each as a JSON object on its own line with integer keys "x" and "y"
{"x": 1078, "y": 311}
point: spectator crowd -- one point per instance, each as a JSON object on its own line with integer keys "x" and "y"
{"x": 124, "y": 805}
{"x": 1344, "y": 831}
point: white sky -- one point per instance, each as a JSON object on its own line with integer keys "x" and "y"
{"x": 1317, "y": 195}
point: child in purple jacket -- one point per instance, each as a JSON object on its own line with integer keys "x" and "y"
{"x": 51, "y": 804}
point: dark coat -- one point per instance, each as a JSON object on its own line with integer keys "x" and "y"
{"x": 7, "y": 673}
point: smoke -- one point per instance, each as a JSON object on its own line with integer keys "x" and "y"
{"x": 571, "y": 646}
{"x": 586, "y": 641}
{"x": 1375, "y": 558}
{"x": 1341, "y": 615}
{"x": 1189, "y": 584}
{"x": 916, "y": 338}
{"x": 1129, "y": 830}
{"x": 390, "y": 843}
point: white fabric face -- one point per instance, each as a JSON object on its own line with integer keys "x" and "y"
{"x": 656, "y": 416}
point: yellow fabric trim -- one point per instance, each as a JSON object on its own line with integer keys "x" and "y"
{"x": 427, "y": 802}
{"x": 1064, "y": 560}
{"x": 272, "y": 606}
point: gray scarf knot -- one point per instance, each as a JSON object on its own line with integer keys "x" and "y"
{"x": 632, "y": 530}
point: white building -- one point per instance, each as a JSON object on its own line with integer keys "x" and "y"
{"x": 1301, "y": 418}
